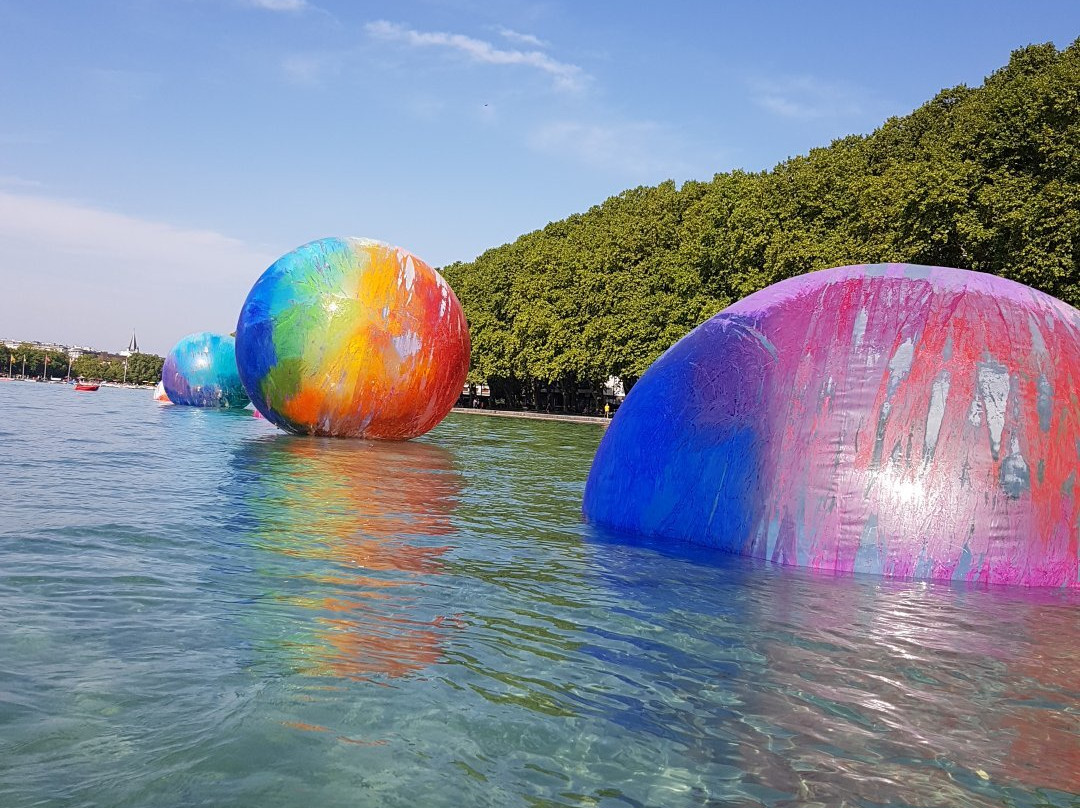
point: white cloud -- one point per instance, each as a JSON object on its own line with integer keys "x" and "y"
{"x": 806, "y": 97}
{"x": 80, "y": 274}
{"x": 637, "y": 150}
{"x": 524, "y": 39}
{"x": 279, "y": 5}
{"x": 566, "y": 76}
{"x": 85, "y": 229}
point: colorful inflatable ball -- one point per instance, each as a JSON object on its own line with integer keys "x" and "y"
{"x": 349, "y": 337}
{"x": 907, "y": 421}
{"x": 200, "y": 371}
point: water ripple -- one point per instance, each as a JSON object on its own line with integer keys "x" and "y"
{"x": 198, "y": 610}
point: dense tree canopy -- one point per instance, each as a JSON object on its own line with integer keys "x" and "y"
{"x": 983, "y": 178}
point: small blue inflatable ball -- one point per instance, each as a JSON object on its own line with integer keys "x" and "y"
{"x": 200, "y": 371}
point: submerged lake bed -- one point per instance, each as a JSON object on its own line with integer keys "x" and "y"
{"x": 197, "y": 609}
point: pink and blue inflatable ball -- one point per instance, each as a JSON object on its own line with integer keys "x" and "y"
{"x": 906, "y": 421}
{"x": 200, "y": 371}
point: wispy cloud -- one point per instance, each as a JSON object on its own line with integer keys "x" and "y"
{"x": 566, "y": 76}
{"x": 637, "y": 150}
{"x": 806, "y": 97}
{"x": 278, "y": 5}
{"x": 84, "y": 229}
{"x": 523, "y": 39}
{"x": 81, "y": 269}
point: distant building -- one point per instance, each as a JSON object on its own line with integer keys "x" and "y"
{"x": 48, "y": 347}
{"x": 73, "y": 351}
{"x": 613, "y": 388}
{"x": 133, "y": 346}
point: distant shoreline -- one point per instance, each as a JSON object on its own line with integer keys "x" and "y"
{"x": 539, "y": 416}
{"x": 72, "y": 381}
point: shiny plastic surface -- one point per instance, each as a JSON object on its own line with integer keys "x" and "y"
{"x": 200, "y": 371}
{"x": 909, "y": 421}
{"x": 350, "y": 337}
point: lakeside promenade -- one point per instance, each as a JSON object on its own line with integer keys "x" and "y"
{"x": 539, "y": 416}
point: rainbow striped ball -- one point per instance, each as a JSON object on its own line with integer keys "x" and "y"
{"x": 200, "y": 371}
{"x": 350, "y": 337}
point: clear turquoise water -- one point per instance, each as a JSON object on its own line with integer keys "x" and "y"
{"x": 196, "y": 610}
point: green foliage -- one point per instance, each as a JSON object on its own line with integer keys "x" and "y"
{"x": 985, "y": 178}
{"x": 32, "y": 362}
{"x": 144, "y": 368}
{"x": 141, "y": 368}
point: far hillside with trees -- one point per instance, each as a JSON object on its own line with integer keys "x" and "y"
{"x": 984, "y": 178}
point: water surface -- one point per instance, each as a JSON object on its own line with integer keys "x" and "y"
{"x": 198, "y": 610}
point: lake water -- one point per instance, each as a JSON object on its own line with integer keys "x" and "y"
{"x": 197, "y": 610}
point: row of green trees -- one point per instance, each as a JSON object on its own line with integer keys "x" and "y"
{"x": 983, "y": 178}
{"x": 27, "y": 360}
{"x": 141, "y": 368}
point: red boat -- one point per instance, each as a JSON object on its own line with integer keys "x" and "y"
{"x": 87, "y": 386}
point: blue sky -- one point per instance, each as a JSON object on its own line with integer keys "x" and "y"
{"x": 157, "y": 155}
